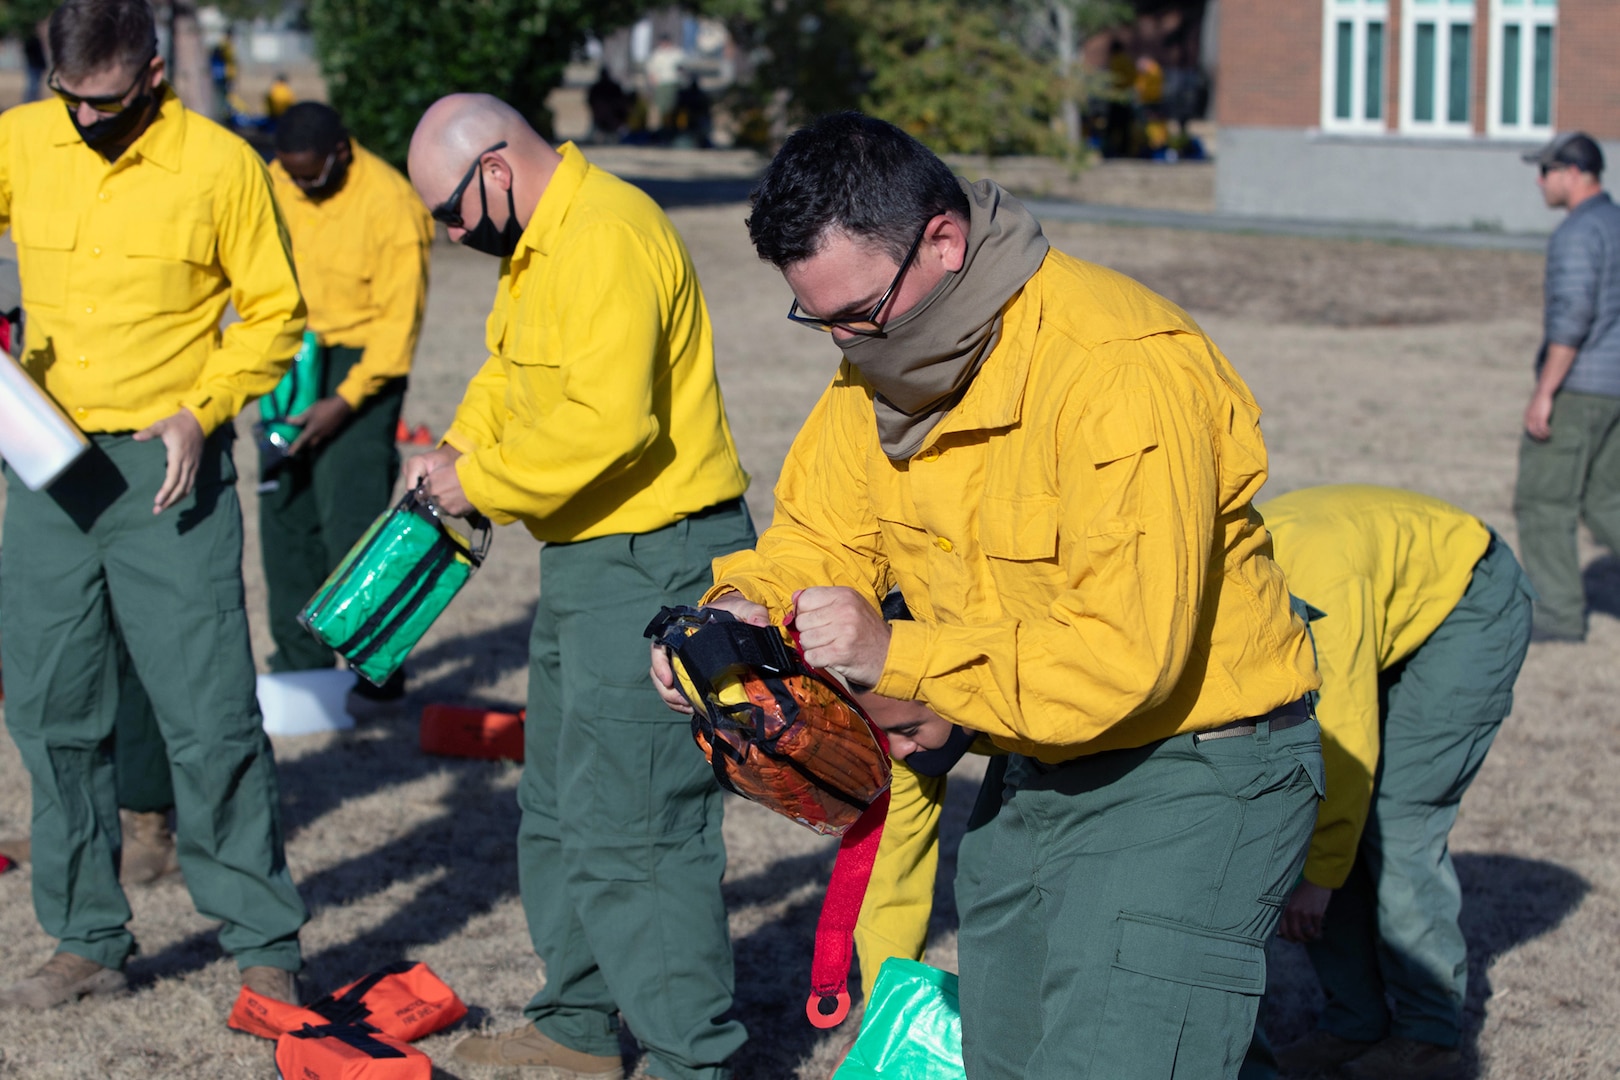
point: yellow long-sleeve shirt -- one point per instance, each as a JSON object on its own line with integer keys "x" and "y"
{"x": 1075, "y": 538}
{"x": 1386, "y": 567}
{"x": 597, "y": 411}
{"x": 127, "y": 267}
{"x": 362, "y": 258}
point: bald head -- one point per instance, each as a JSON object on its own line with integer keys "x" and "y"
{"x": 461, "y": 129}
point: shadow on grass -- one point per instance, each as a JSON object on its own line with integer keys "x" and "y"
{"x": 714, "y": 191}
{"x": 1507, "y": 901}
{"x": 1602, "y": 581}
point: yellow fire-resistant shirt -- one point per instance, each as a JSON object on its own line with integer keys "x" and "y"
{"x": 362, "y": 258}
{"x": 1386, "y": 567}
{"x": 597, "y": 411}
{"x": 1074, "y": 538}
{"x": 127, "y": 268}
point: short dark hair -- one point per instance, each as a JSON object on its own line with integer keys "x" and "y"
{"x": 310, "y": 125}
{"x": 850, "y": 173}
{"x": 89, "y": 36}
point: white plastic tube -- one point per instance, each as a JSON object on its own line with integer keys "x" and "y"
{"x": 305, "y": 702}
{"x": 37, "y": 439}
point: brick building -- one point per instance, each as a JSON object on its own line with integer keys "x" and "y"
{"x": 1410, "y": 112}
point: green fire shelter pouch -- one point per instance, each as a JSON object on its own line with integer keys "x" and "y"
{"x": 912, "y": 1027}
{"x": 391, "y": 586}
{"x": 298, "y": 389}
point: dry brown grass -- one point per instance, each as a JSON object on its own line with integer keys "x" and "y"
{"x": 402, "y": 855}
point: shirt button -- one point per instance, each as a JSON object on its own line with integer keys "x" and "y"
{"x": 89, "y": 310}
{"x": 943, "y": 544}
{"x": 95, "y": 251}
{"x": 930, "y": 454}
{"x": 83, "y": 362}
{"x": 78, "y": 412}
{"x": 102, "y": 196}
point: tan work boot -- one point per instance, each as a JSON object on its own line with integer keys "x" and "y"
{"x": 16, "y": 848}
{"x": 1404, "y": 1059}
{"x": 65, "y": 977}
{"x": 550, "y": 1059}
{"x": 1319, "y": 1050}
{"x": 149, "y": 853}
{"x": 272, "y": 982}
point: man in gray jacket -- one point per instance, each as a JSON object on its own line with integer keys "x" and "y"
{"x": 1569, "y": 458}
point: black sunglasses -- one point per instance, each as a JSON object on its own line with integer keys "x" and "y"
{"x": 448, "y": 213}
{"x": 109, "y": 104}
{"x": 869, "y": 326}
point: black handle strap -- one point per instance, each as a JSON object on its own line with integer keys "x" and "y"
{"x": 350, "y": 1007}
{"x": 360, "y": 1036}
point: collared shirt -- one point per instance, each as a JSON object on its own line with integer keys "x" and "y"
{"x": 1074, "y": 538}
{"x": 362, "y": 258}
{"x": 127, "y": 268}
{"x": 597, "y": 411}
{"x": 1385, "y": 567}
{"x": 1583, "y": 295}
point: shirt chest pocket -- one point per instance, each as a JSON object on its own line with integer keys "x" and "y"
{"x": 45, "y": 245}
{"x": 170, "y": 264}
{"x": 535, "y": 380}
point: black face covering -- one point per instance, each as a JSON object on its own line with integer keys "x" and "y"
{"x": 108, "y": 135}
{"x": 484, "y": 236}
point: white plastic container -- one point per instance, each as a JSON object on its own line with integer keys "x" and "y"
{"x": 36, "y": 438}
{"x": 305, "y": 702}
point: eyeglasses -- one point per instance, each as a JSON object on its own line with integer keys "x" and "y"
{"x": 448, "y": 212}
{"x": 869, "y": 326}
{"x": 109, "y": 104}
{"x": 320, "y": 181}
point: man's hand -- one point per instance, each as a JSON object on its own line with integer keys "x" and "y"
{"x": 182, "y": 439}
{"x": 1538, "y": 417}
{"x": 841, "y": 631}
{"x": 320, "y": 422}
{"x": 418, "y": 467}
{"x": 663, "y": 674}
{"x": 1302, "y": 916}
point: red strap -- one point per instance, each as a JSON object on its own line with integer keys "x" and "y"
{"x": 835, "y": 931}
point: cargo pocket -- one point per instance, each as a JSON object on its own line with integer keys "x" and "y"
{"x": 1181, "y": 1001}
{"x": 45, "y": 248}
{"x": 647, "y": 779}
{"x": 169, "y": 263}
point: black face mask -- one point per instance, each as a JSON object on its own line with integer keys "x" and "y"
{"x": 484, "y": 236}
{"x": 108, "y": 135}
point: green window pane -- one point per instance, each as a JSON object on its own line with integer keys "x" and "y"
{"x": 1513, "y": 3}
{"x": 1510, "y": 75}
{"x": 1546, "y": 3}
{"x": 1375, "y": 71}
{"x": 1342, "y": 70}
{"x": 1541, "y": 92}
{"x": 1461, "y": 64}
{"x": 1423, "y": 74}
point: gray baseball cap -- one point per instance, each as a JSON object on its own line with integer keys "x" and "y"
{"x": 1571, "y": 148}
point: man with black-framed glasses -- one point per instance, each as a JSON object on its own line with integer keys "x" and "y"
{"x": 137, "y": 222}
{"x": 598, "y": 424}
{"x": 361, "y": 239}
{"x": 1055, "y": 467}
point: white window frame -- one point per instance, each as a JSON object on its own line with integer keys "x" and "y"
{"x": 1529, "y": 16}
{"x": 1361, "y": 14}
{"x": 1444, "y": 14}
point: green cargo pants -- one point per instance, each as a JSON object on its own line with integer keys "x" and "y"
{"x": 1116, "y": 929}
{"x": 88, "y": 560}
{"x": 140, "y": 759}
{"x": 1392, "y": 930}
{"x": 619, "y": 850}
{"x": 1573, "y": 475}
{"x": 321, "y": 503}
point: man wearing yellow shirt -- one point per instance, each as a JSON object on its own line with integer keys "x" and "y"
{"x": 1426, "y": 622}
{"x": 136, "y": 223}
{"x": 598, "y": 424}
{"x": 1055, "y": 467}
{"x": 361, "y": 239}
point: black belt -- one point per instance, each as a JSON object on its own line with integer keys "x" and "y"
{"x": 1281, "y": 718}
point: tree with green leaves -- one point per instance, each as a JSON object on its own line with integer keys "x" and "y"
{"x": 386, "y": 61}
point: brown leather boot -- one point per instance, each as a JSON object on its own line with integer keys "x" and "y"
{"x": 528, "y": 1048}
{"x": 1404, "y": 1059}
{"x": 64, "y": 977}
{"x": 16, "y": 848}
{"x": 149, "y": 853}
{"x": 272, "y": 982}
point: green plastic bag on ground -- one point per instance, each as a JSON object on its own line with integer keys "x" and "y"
{"x": 912, "y": 1028}
{"x": 396, "y": 580}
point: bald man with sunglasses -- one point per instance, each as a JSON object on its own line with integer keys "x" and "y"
{"x": 137, "y": 222}
{"x": 598, "y": 424}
